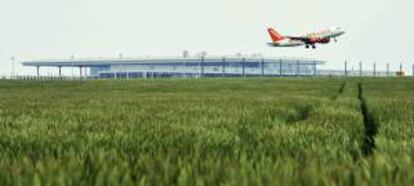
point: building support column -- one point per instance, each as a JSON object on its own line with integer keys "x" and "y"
{"x": 298, "y": 68}
{"x": 38, "y": 71}
{"x": 80, "y": 72}
{"x": 244, "y": 66}
{"x": 60, "y": 71}
{"x": 224, "y": 67}
{"x": 85, "y": 72}
{"x": 262, "y": 65}
{"x": 280, "y": 68}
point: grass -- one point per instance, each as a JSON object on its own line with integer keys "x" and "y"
{"x": 205, "y": 132}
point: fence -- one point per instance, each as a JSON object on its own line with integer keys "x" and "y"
{"x": 255, "y": 69}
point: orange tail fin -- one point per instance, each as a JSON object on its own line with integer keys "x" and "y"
{"x": 274, "y": 35}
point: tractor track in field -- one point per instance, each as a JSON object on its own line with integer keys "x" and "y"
{"x": 340, "y": 91}
{"x": 370, "y": 125}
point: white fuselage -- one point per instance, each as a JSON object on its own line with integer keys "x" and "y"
{"x": 287, "y": 43}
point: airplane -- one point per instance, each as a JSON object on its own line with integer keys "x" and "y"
{"x": 311, "y": 39}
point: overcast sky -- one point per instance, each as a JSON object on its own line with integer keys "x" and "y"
{"x": 377, "y": 30}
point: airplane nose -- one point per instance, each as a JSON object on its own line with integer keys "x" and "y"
{"x": 340, "y": 30}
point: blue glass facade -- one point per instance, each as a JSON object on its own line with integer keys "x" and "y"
{"x": 188, "y": 67}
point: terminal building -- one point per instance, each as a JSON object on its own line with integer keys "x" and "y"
{"x": 183, "y": 67}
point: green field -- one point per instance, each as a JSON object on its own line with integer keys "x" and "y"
{"x": 208, "y": 132}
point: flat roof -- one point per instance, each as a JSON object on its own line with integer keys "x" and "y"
{"x": 159, "y": 61}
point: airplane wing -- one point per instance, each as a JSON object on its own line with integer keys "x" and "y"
{"x": 304, "y": 39}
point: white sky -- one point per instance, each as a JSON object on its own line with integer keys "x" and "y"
{"x": 377, "y": 30}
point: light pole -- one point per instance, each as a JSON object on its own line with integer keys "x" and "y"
{"x": 184, "y": 67}
{"x": 202, "y": 66}
{"x": 13, "y": 61}
{"x": 72, "y": 58}
{"x": 388, "y": 70}
{"x": 120, "y": 65}
{"x": 346, "y": 68}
